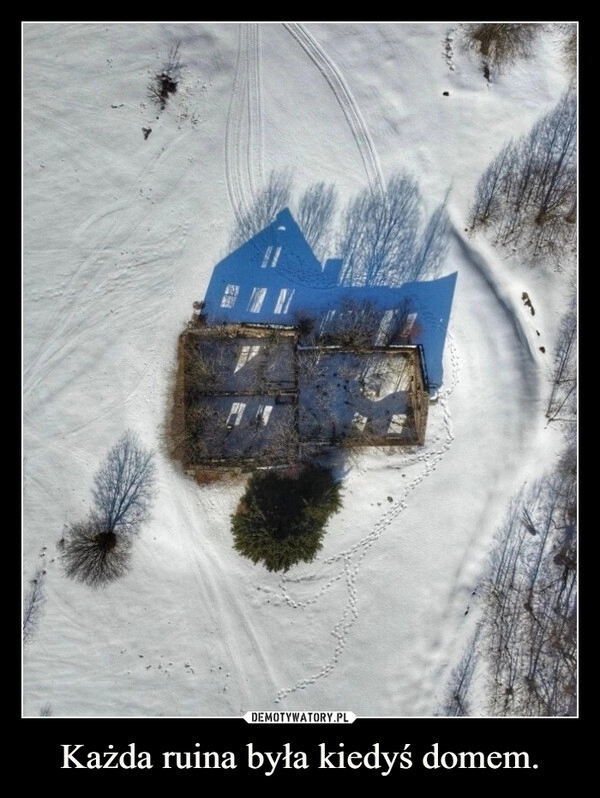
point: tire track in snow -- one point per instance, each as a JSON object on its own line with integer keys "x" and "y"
{"x": 233, "y": 133}
{"x": 345, "y": 99}
{"x": 226, "y": 599}
{"x": 254, "y": 150}
{"x": 351, "y": 558}
{"x": 207, "y": 583}
{"x": 243, "y": 160}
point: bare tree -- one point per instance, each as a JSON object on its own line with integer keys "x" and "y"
{"x": 97, "y": 550}
{"x": 530, "y": 601}
{"x": 123, "y": 486}
{"x": 32, "y": 604}
{"x": 269, "y": 200}
{"x": 315, "y": 215}
{"x": 562, "y": 404}
{"x": 570, "y": 48}
{"x": 528, "y": 195}
{"x": 489, "y": 194}
{"x": 457, "y": 702}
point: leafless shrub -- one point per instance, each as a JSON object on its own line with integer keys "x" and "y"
{"x": 283, "y": 442}
{"x": 94, "y": 556}
{"x": 307, "y": 325}
{"x": 310, "y": 365}
{"x": 203, "y": 370}
{"x": 46, "y": 711}
{"x": 399, "y": 325}
{"x": 165, "y": 82}
{"x": 207, "y": 433}
{"x": 361, "y": 325}
{"x": 210, "y": 477}
{"x": 355, "y": 324}
{"x": 32, "y": 604}
{"x": 500, "y": 44}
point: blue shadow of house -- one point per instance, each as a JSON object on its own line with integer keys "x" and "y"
{"x": 275, "y": 278}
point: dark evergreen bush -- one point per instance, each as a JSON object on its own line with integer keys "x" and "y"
{"x": 281, "y": 518}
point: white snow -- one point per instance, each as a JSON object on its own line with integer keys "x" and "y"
{"x": 120, "y": 235}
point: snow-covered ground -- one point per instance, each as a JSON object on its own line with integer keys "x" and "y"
{"x": 121, "y": 233}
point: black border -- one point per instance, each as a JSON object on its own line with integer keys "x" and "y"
{"x": 552, "y": 743}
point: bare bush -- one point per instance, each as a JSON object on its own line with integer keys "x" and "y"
{"x": 361, "y": 325}
{"x": 306, "y": 324}
{"x": 269, "y": 200}
{"x": 206, "y": 365}
{"x": 354, "y": 324}
{"x": 310, "y": 366}
{"x": 94, "y": 556}
{"x": 500, "y": 44}
{"x": 32, "y": 604}
{"x": 208, "y": 433}
{"x": 398, "y": 325}
{"x": 283, "y": 442}
{"x": 165, "y": 82}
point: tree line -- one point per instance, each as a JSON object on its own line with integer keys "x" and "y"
{"x": 527, "y": 197}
